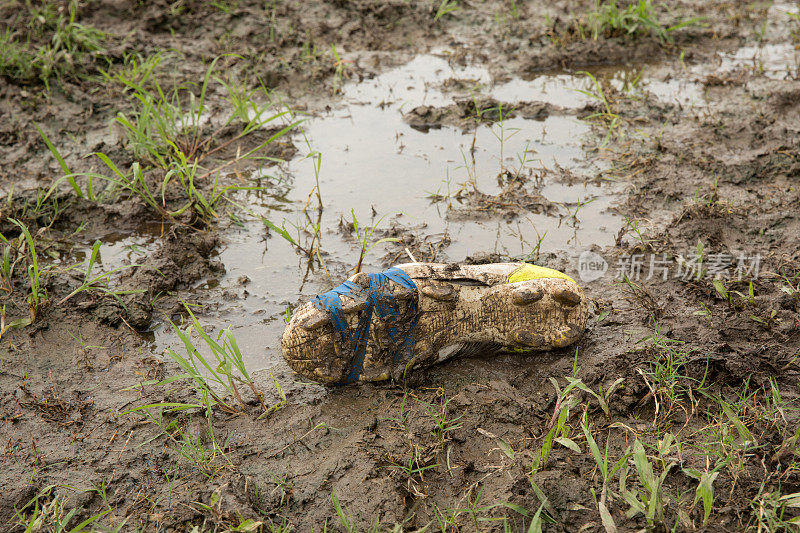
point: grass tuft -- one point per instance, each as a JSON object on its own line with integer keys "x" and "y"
{"x": 38, "y": 293}
{"x": 44, "y": 44}
{"x": 218, "y": 376}
{"x": 175, "y": 148}
{"x": 46, "y": 512}
{"x": 628, "y": 20}
{"x": 445, "y": 7}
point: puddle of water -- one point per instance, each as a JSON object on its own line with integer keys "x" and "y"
{"x": 423, "y": 81}
{"x": 776, "y": 57}
{"x": 373, "y": 162}
{"x": 776, "y": 61}
{"x": 685, "y": 93}
{"x": 119, "y": 249}
{"x": 564, "y": 89}
{"x": 555, "y": 89}
{"x": 130, "y": 249}
{"x": 418, "y": 82}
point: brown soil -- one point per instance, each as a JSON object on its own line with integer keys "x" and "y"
{"x": 67, "y": 379}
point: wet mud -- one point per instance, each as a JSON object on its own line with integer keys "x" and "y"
{"x": 497, "y": 132}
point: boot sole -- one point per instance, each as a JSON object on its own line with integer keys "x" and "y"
{"x": 462, "y": 310}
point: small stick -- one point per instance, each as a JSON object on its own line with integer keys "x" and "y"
{"x": 125, "y": 446}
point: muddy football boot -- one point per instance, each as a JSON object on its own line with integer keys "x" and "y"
{"x": 375, "y": 327}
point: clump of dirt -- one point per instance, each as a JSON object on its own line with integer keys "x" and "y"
{"x": 515, "y": 198}
{"x": 468, "y": 113}
{"x": 412, "y": 244}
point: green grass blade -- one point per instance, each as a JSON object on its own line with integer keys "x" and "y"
{"x": 67, "y": 172}
{"x": 83, "y": 525}
{"x": 598, "y": 457}
{"x": 92, "y": 259}
{"x": 643, "y": 467}
{"x": 172, "y": 406}
{"x": 744, "y": 433}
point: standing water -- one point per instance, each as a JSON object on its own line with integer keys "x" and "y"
{"x": 377, "y": 165}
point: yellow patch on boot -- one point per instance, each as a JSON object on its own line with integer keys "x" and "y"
{"x": 527, "y": 272}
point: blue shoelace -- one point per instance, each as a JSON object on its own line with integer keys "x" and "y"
{"x": 378, "y": 297}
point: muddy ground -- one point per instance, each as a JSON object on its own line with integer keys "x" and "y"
{"x": 702, "y": 375}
